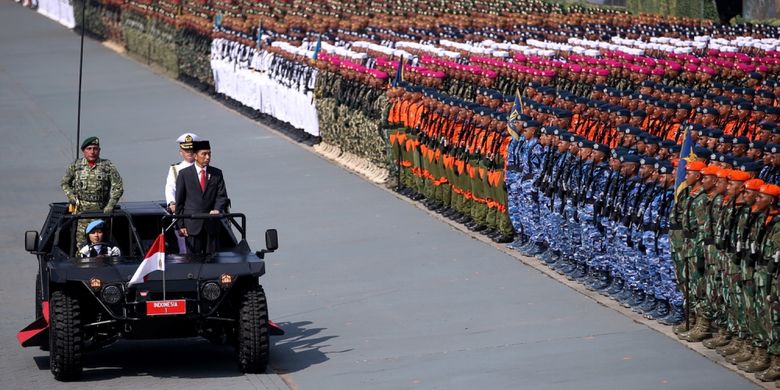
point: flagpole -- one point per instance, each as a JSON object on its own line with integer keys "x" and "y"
{"x": 162, "y": 233}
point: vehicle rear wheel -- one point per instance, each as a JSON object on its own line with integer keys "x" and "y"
{"x": 66, "y": 338}
{"x": 39, "y": 308}
{"x": 253, "y": 340}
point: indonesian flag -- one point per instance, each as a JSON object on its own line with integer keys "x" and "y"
{"x": 154, "y": 261}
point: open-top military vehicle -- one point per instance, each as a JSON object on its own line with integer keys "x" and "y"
{"x": 82, "y": 303}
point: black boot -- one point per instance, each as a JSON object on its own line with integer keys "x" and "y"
{"x": 661, "y": 310}
{"x": 647, "y": 306}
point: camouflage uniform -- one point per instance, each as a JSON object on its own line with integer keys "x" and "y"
{"x": 94, "y": 188}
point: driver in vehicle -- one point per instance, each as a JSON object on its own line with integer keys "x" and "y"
{"x": 96, "y": 246}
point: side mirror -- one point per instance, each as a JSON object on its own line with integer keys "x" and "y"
{"x": 271, "y": 240}
{"x": 31, "y": 241}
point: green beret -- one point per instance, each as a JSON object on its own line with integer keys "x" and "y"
{"x": 90, "y": 141}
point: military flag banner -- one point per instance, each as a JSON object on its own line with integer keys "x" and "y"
{"x": 399, "y": 73}
{"x": 686, "y": 155}
{"x": 317, "y": 48}
{"x": 514, "y": 116}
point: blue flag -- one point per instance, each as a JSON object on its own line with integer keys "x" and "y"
{"x": 514, "y": 116}
{"x": 317, "y": 48}
{"x": 399, "y": 73}
{"x": 686, "y": 156}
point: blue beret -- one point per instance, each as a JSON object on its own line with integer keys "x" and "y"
{"x": 757, "y": 145}
{"x": 629, "y": 158}
{"x": 723, "y": 100}
{"x": 639, "y": 113}
{"x": 601, "y": 147}
{"x": 744, "y": 106}
{"x": 647, "y": 160}
{"x": 702, "y": 151}
{"x": 531, "y": 123}
{"x": 751, "y": 167}
{"x": 664, "y": 167}
{"x": 667, "y": 143}
{"x": 96, "y": 224}
{"x": 713, "y": 132}
{"x": 726, "y": 159}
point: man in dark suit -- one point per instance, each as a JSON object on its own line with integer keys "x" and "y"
{"x": 200, "y": 188}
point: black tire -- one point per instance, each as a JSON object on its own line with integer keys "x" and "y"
{"x": 39, "y": 308}
{"x": 66, "y": 338}
{"x": 253, "y": 341}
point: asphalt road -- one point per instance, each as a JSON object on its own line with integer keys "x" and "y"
{"x": 372, "y": 291}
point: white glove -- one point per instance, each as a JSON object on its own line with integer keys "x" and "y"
{"x": 84, "y": 250}
{"x": 114, "y": 251}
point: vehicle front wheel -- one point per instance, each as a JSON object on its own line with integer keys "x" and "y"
{"x": 253, "y": 339}
{"x": 66, "y": 339}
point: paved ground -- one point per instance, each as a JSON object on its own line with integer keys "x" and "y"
{"x": 373, "y": 292}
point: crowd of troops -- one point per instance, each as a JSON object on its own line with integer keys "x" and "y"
{"x": 584, "y": 176}
{"x": 636, "y": 154}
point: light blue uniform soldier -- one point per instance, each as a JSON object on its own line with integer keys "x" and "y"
{"x": 592, "y": 239}
{"x": 656, "y": 220}
{"x": 529, "y": 160}
{"x": 539, "y": 193}
{"x": 567, "y": 192}
{"x": 578, "y": 187}
{"x": 626, "y": 194}
{"x": 604, "y": 256}
{"x": 638, "y": 268}
{"x": 560, "y": 232}
{"x": 514, "y": 165}
{"x": 551, "y": 219}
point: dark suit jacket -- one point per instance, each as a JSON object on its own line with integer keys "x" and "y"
{"x": 191, "y": 200}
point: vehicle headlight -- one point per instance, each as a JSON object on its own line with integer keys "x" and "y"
{"x": 111, "y": 294}
{"x": 211, "y": 291}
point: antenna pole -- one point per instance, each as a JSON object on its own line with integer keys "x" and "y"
{"x": 81, "y": 68}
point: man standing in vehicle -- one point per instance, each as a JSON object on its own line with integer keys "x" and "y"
{"x": 200, "y": 188}
{"x": 188, "y": 158}
{"x": 91, "y": 183}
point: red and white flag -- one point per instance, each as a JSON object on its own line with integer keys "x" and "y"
{"x": 154, "y": 261}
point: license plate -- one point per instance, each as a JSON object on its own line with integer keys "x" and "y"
{"x": 161, "y": 308}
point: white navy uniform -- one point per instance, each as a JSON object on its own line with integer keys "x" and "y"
{"x": 170, "y": 182}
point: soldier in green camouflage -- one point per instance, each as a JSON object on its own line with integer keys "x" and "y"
{"x": 727, "y": 304}
{"x": 92, "y": 183}
{"x": 745, "y": 300}
{"x": 770, "y": 257}
{"x": 762, "y": 214}
{"x": 695, "y": 219}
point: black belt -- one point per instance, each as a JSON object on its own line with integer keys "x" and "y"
{"x": 92, "y": 198}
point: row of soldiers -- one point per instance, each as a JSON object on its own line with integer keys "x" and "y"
{"x": 609, "y": 219}
{"x": 595, "y": 214}
{"x": 451, "y": 154}
{"x": 726, "y": 243}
